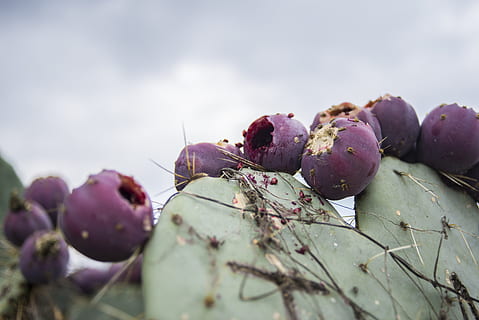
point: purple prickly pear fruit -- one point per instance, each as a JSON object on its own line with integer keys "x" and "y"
{"x": 399, "y": 124}
{"x": 89, "y": 280}
{"x": 449, "y": 139}
{"x": 366, "y": 116}
{"x": 276, "y": 142}
{"x": 23, "y": 219}
{"x": 341, "y": 158}
{"x": 132, "y": 273}
{"x": 204, "y": 159}
{"x": 107, "y": 218}
{"x": 342, "y": 110}
{"x": 50, "y": 192}
{"x": 44, "y": 257}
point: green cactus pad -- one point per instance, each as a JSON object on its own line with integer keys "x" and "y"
{"x": 408, "y": 206}
{"x": 243, "y": 248}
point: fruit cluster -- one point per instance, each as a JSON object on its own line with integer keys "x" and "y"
{"x": 108, "y": 218}
{"x": 341, "y": 153}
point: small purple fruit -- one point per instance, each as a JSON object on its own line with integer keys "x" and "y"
{"x": 204, "y": 159}
{"x": 449, "y": 139}
{"x": 108, "y": 217}
{"x": 24, "y": 218}
{"x": 399, "y": 124}
{"x": 341, "y": 158}
{"x": 276, "y": 142}
{"x": 44, "y": 257}
{"x": 50, "y": 192}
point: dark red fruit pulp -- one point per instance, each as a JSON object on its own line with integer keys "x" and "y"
{"x": 261, "y": 133}
{"x": 131, "y": 191}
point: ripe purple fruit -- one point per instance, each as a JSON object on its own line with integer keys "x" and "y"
{"x": 276, "y": 142}
{"x": 50, "y": 192}
{"x": 399, "y": 124}
{"x": 204, "y": 159}
{"x": 23, "y": 219}
{"x": 449, "y": 139}
{"x": 341, "y": 158}
{"x": 108, "y": 217}
{"x": 44, "y": 257}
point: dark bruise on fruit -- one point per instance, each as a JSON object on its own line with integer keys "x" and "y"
{"x": 276, "y": 142}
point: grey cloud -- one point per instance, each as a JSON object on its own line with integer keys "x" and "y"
{"x": 70, "y": 69}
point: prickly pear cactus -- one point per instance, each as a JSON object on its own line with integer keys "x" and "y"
{"x": 264, "y": 246}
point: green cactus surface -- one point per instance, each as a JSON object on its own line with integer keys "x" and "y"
{"x": 261, "y": 245}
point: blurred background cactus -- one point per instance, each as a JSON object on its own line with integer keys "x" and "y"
{"x": 62, "y": 299}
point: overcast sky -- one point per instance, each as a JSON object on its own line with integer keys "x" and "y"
{"x": 110, "y": 84}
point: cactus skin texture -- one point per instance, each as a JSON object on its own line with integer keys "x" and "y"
{"x": 236, "y": 249}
